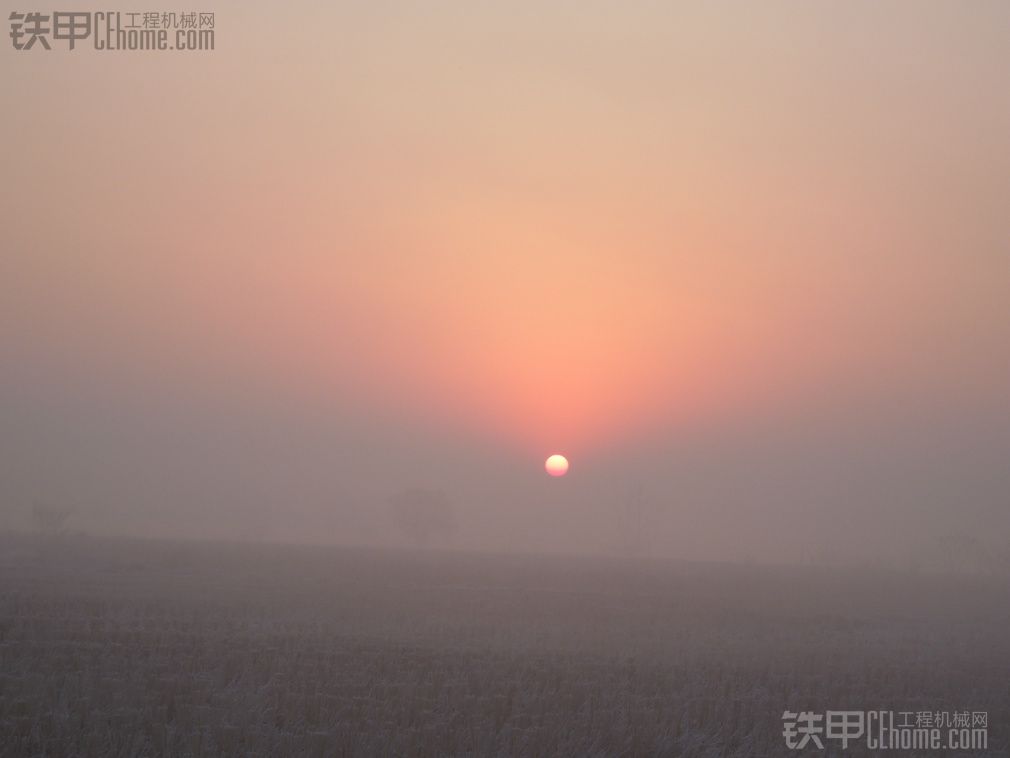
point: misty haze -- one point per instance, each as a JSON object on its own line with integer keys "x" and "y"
{"x": 518, "y": 379}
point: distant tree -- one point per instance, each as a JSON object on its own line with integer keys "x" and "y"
{"x": 50, "y": 520}
{"x": 960, "y": 553}
{"x": 423, "y": 516}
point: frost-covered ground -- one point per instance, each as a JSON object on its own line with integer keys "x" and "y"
{"x": 131, "y": 648}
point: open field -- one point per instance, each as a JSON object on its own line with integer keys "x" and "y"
{"x": 129, "y": 648}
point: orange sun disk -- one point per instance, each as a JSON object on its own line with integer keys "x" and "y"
{"x": 556, "y": 465}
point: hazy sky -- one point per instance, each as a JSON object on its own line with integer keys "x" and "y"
{"x": 747, "y": 264}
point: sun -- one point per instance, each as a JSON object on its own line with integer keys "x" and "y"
{"x": 556, "y": 465}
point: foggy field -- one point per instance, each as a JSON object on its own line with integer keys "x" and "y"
{"x": 128, "y": 648}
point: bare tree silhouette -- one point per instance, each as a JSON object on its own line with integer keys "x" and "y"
{"x": 960, "y": 553}
{"x": 424, "y": 516}
{"x": 48, "y": 519}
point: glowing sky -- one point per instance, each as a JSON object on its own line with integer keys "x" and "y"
{"x": 538, "y": 225}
